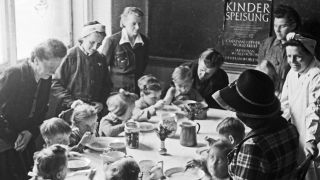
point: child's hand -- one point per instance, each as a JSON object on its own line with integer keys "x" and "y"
{"x": 98, "y": 106}
{"x": 86, "y": 138}
{"x": 194, "y": 163}
{"x": 159, "y": 104}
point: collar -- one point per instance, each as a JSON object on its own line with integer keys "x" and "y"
{"x": 82, "y": 49}
{"x": 311, "y": 64}
{"x": 125, "y": 39}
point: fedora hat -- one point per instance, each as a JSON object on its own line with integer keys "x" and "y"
{"x": 252, "y": 95}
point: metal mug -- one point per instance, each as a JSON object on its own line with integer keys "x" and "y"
{"x": 188, "y": 135}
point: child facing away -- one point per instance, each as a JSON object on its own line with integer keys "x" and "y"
{"x": 55, "y": 131}
{"x": 231, "y": 129}
{"x": 123, "y": 169}
{"x": 149, "y": 101}
{"x": 120, "y": 106}
{"x": 215, "y": 165}
{"x": 51, "y": 164}
{"x": 84, "y": 123}
{"x": 181, "y": 89}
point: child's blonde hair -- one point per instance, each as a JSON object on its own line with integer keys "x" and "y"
{"x": 130, "y": 10}
{"x": 50, "y": 161}
{"x": 182, "y": 74}
{"x": 119, "y": 102}
{"x": 82, "y": 112}
{"x": 54, "y": 126}
{"x": 148, "y": 83}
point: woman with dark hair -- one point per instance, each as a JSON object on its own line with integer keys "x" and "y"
{"x": 286, "y": 20}
{"x": 127, "y": 51}
{"x": 83, "y": 74}
{"x": 24, "y": 96}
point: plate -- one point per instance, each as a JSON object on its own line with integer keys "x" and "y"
{"x": 99, "y": 143}
{"x": 78, "y": 163}
{"x": 145, "y": 126}
{"x": 179, "y": 173}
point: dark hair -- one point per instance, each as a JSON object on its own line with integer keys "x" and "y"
{"x": 296, "y": 43}
{"x": 231, "y": 126}
{"x": 211, "y": 58}
{"x": 54, "y": 126}
{"x": 284, "y": 11}
{"x": 51, "y": 48}
{"x": 89, "y": 24}
{"x": 50, "y": 161}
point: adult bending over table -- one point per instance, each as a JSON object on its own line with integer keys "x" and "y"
{"x": 270, "y": 150}
{"x": 24, "y": 95}
{"x": 127, "y": 51}
{"x": 83, "y": 74}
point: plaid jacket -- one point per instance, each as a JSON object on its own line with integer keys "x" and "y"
{"x": 267, "y": 156}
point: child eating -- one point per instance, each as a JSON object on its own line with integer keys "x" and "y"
{"x": 181, "y": 88}
{"x": 149, "y": 101}
{"x": 232, "y": 130}
{"x": 120, "y": 106}
{"x": 55, "y": 131}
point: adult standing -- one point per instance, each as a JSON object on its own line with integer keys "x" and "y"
{"x": 270, "y": 150}
{"x": 286, "y": 20}
{"x": 24, "y": 95}
{"x": 300, "y": 92}
{"x": 83, "y": 74}
{"x": 208, "y": 77}
{"x": 127, "y": 51}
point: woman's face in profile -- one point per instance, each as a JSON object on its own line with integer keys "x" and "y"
{"x": 132, "y": 24}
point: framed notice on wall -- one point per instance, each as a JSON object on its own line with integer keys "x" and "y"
{"x": 246, "y": 24}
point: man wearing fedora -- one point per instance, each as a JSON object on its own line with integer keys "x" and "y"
{"x": 270, "y": 150}
{"x": 300, "y": 92}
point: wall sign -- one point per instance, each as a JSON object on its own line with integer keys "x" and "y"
{"x": 246, "y": 24}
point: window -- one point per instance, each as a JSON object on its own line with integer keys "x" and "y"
{"x": 3, "y": 58}
{"x": 38, "y": 20}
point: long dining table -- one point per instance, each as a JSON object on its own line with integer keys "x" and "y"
{"x": 149, "y": 145}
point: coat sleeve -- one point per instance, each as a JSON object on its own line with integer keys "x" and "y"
{"x": 108, "y": 129}
{"x": 9, "y": 84}
{"x": 59, "y": 83}
{"x": 108, "y": 50}
{"x": 312, "y": 116}
{"x": 285, "y": 100}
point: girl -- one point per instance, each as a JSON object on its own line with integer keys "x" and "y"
{"x": 182, "y": 86}
{"x": 127, "y": 51}
{"x": 83, "y": 74}
{"x": 50, "y": 164}
{"x": 84, "y": 120}
{"x": 121, "y": 106}
{"x": 149, "y": 101}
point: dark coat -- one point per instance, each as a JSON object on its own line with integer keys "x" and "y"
{"x": 126, "y": 64}
{"x": 81, "y": 77}
{"x": 18, "y": 92}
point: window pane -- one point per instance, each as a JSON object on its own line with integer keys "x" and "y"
{"x": 2, "y": 35}
{"x": 38, "y": 20}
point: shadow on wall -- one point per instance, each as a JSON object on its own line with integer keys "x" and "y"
{"x": 312, "y": 27}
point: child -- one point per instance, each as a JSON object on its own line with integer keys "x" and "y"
{"x": 182, "y": 86}
{"x": 84, "y": 121}
{"x": 120, "y": 106}
{"x": 149, "y": 101}
{"x": 215, "y": 165}
{"x": 232, "y": 130}
{"x": 50, "y": 163}
{"x": 55, "y": 131}
{"x": 123, "y": 169}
